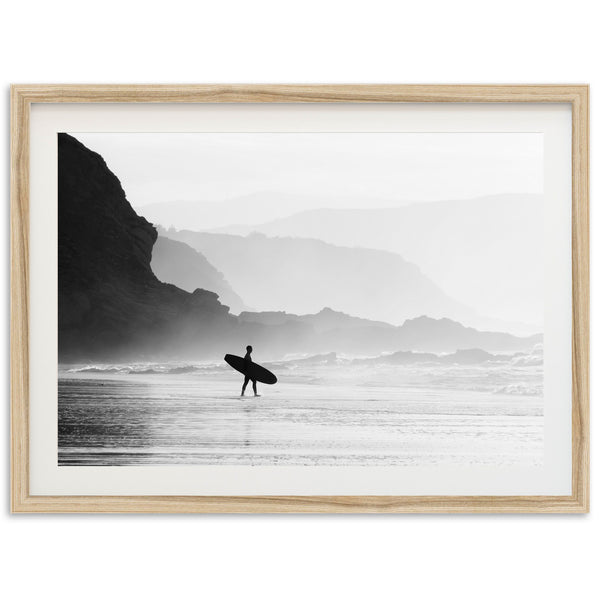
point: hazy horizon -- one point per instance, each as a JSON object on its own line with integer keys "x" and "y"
{"x": 484, "y": 255}
{"x": 328, "y": 170}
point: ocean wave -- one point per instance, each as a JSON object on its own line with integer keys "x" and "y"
{"x": 97, "y": 369}
{"x": 534, "y": 358}
{"x": 164, "y": 370}
{"x": 146, "y": 369}
{"x": 527, "y": 361}
{"x": 520, "y": 389}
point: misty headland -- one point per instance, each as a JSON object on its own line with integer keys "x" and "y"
{"x": 126, "y": 294}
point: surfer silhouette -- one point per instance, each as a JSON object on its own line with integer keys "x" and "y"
{"x": 250, "y": 370}
{"x": 247, "y": 366}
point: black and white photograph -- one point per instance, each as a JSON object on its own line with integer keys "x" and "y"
{"x": 301, "y": 299}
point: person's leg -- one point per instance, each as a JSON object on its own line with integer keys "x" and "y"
{"x": 246, "y": 380}
{"x": 254, "y": 387}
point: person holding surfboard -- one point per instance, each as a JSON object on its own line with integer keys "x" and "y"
{"x": 250, "y": 370}
{"x": 247, "y": 369}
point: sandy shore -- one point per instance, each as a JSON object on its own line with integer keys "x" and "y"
{"x": 192, "y": 418}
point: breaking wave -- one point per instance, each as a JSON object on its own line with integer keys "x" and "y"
{"x": 520, "y": 389}
{"x": 145, "y": 369}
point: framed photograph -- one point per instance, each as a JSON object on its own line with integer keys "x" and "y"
{"x": 300, "y": 298}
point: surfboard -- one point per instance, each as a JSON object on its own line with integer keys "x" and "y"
{"x": 254, "y": 372}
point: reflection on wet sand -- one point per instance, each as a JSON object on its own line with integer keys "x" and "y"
{"x": 327, "y": 418}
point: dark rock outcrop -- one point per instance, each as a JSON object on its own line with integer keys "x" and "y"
{"x": 110, "y": 302}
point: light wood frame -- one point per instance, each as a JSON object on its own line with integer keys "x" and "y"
{"x": 22, "y": 96}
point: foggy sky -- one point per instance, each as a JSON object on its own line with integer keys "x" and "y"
{"x": 328, "y": 170}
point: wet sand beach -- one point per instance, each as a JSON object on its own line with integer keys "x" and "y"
{"x": 325, "y": 415}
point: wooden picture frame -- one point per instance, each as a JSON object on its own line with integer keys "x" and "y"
{"x": 22, "y": 98}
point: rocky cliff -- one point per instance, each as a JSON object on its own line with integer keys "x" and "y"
{"x": 110, "y": 302}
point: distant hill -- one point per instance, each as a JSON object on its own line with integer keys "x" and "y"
{"x": 304, "y": 275}
{"x": 485, "y": 252}
{"x": 325, "y": 320}
{"x": 339, "y": 332}
{"x": 200, "y": 215}
{"x": 179, "y": 264}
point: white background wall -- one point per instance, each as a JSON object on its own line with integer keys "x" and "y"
{"x": 261, "y": 41}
